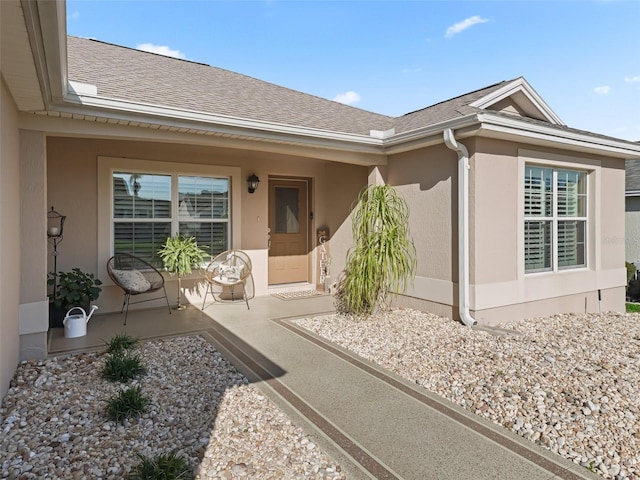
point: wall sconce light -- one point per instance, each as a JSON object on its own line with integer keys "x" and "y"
{"x": 253, "y": 182}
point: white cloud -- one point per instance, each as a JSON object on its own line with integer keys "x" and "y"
{"x": 602, "y": 90}
{"x": 74, "y": 15}
{"x": 161, "y": 50}
{"x": 348, "y": 98}
{"x": 632, "y": 79}
{"x": 464, "y": 24}
{"x": 411, "y": 70}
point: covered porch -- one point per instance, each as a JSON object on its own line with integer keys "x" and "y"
{"x": 153, "y": 323}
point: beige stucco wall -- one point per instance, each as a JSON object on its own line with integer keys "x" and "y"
{"x": 427, "y": 180}
{"x": 34, "y": 304}
{"x": 72, "y": 171}
{"x": 497, "y": 271}
{"x": 10, "y": 238}
{"x": 499, "y": 288}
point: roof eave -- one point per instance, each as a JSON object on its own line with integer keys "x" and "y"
{"x": 46, "y": 26}
{"x": 162, "y": 115}
{"x": 497, "y": 126}
{"x": 431, "y": 134}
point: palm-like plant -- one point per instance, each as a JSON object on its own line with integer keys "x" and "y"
{"x": 180, "y": 254}
{"x": 383, "y": 257}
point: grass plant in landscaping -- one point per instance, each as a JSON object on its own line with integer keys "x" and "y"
{"x": 122, "y": 367}
{"x": 121, "y": 342}
{"x": 383, "y": 258}
{"x": 166, "y": 466}
{"x": 127, "y": 403}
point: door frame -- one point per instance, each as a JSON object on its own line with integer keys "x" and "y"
{"x": 310, "y": 221}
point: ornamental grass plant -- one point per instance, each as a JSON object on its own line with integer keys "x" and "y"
{"x": 383, "y": 257}
{"x": 126, "y": 404}
{"x": 121, "y": 367}
{"x": 165, "y": 466}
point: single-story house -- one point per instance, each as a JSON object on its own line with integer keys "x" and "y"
{"x": 632, "y": 211}
{"x": 513, "y": 213}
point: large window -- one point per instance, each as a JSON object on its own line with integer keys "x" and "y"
{"x": 148, "y": 208}
{"x": 555, "y": 219}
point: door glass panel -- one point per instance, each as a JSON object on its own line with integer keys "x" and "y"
{"x": 287, "y": 210}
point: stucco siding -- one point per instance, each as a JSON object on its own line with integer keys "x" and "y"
{"x": 427, "y": 180}
{"x": 493, "y": 202}
{"x": 73, "y": 190}
{"x": 499, "y": 287}
{"x": 10, "y": 238}
{"x": 612, "y": 231}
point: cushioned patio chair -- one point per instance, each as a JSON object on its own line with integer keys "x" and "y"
{"x": 229, "y": 277}
{"x": 135, "y": 277}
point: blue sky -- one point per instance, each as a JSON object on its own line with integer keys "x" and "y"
{"x": 394, "y": 57}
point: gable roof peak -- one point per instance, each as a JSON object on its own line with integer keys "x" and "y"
{"x": 453, "y": 99}
{"x": 520, "y": 93}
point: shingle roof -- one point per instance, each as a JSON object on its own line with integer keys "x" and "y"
{"x": 128, "y": 74}
{"x": 133, "y": 75}
{"x": 447, "y": 110}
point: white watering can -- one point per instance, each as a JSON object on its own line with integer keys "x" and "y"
{"x": 76, "y": 325}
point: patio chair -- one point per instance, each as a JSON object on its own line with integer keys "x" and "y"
{"x": 229, "y": 277}
{"x": 135, "y": 277}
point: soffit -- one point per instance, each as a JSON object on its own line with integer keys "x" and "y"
{"x": 16, "y": 59}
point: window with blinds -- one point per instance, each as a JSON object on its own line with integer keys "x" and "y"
{"x": 148, "y": 208}
{"x": 555, "y": 219}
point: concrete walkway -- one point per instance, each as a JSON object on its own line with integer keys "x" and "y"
{"x": 375, "y": 424}
{"x": 372, "y": 422}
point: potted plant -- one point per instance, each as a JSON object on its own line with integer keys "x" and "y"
{"x": 180, "y": 254}
{"x": 72, "y": 289}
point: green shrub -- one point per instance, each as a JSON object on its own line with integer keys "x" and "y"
{"x": 122, "y": 367}
{"x": 121, "y": 342}
{"x": 166, "y": 466}
{"x": 127, "y": 404}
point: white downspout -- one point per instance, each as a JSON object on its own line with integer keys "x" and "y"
{"x": 463, "y": 226}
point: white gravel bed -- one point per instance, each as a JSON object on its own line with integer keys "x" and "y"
{"x": 569, "y": 382}
{"x": 53, "y": 420}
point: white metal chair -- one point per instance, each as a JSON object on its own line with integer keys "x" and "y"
{"x": 229, "y": 277}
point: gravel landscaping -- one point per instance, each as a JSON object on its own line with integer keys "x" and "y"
{"x": 568, "y": 382}
{"x": 54, "y": 424}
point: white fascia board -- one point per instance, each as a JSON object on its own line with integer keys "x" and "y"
{"x": 173, "y": 117}
{"x": 429, "y": 135}
{"x": 519, "y": 85}
{"x": 50, "y": 29}
{"x": 513, "y": 126}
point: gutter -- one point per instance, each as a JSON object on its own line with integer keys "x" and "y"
{"x": 463, "y": 226}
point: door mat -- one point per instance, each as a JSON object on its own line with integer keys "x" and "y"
{"x": 299, "y": 294}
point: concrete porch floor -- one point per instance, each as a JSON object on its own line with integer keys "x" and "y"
{"x": 152, "y": 323}
{"x": 373, "y": 423}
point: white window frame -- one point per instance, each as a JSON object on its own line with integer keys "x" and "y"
{"x": 107, "y": 166}
{"x": 554, "y": 219}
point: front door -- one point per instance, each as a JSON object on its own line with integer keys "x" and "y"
{"x": 288, "y": 212}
